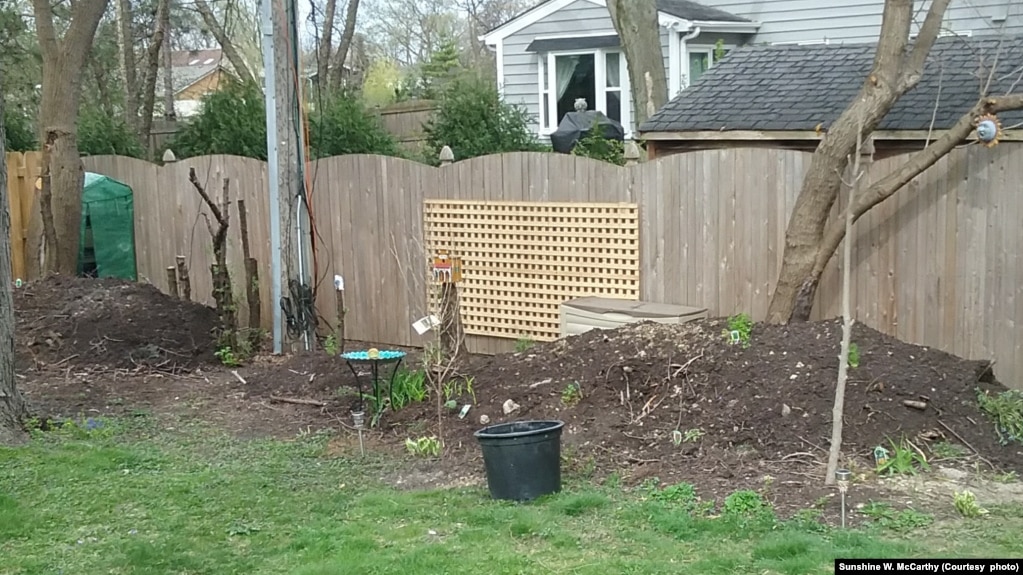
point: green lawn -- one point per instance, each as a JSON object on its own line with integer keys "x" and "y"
{"x": 128, "y": 498}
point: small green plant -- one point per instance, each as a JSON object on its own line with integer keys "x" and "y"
{"x": 331, "y": 345}
{"x": 884, "y": 516}
{"x": 688, "y": 436}
{"x": 594, "y": 145}
{"x": 746, "y": 503}
{"x": 740, "y": 328}
{"x": 1006, "y": 410}
{"x": 524, "y": 344}
{"x": 455, "y": 388}
{"x": 903, "y": 459}
{"x": 227, "y": 356}
{"x": 966, "y": 504}
{"x": 89, "y": 427}
{"x": 571, "y": 394}
{"x": 409, "y": 387}
{"x": 854, "y": 355}
{"x": 947, "y": 450}
{"x": 424, "y": 446}
{"x": 680, "y": 494}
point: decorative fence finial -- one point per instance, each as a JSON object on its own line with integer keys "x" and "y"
{"x": 446, "y": 156}
{"x": 168, "y": 156}
{"x": 632, "y": 155}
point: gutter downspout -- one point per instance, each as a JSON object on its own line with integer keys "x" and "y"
{"x": 684, "y": 54}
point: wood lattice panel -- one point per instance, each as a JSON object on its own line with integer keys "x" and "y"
{"x": 522, "y": 260}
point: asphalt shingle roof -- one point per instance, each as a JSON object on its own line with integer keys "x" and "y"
{"x": 693, "y": 11}
{"x": 798, "y": 87}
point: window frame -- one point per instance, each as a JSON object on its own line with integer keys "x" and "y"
{"x": 709, "y": 49}
{"x": 547, "y": 62}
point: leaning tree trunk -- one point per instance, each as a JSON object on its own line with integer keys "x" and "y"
{"x": 351, "y": 13}
{"x": 640, "y": 33}
{"x": 60, "y": 200}
{"x": 12, "y": 404}
{"x": 126, "y": 48}
{"x": 152, "y": 69}
{"x": 241, "y": 69}
{"x": 326, "y": 48}
{"x": 895, "y": 71}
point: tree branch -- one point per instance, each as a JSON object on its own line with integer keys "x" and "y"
{"x": 929, "y": 31}
{"x": 917, "y": 164}
{"x": 44, "y": 27}
{"x": 85, "y": 18}
{"x": 232, "y": 55}
{"x": 217, "y": 214}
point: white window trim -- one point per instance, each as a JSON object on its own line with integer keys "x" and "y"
{"x": 600, "y": 79}
{"x": 709, "y": 49}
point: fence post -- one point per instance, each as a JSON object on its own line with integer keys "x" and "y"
{"x": 446, "y": 156}
{"x": 631, "y": 153}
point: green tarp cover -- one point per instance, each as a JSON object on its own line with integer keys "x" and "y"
{"x": 108, "y": 227}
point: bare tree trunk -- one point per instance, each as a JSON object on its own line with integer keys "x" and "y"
{"x": 838, "y": 411}
{"x": 351, "y": 13}
{"x": 12, "y": 405}
{"x": 152, "y": 69}
{"x": 232, "y": 55}
{"x": 169, "y": 113}
{"x": 63, "y": 62}
{"x": 326, "y": 49}
{"x": 894, "y": 73}
{"x": 126, "y": 48}
{"x": 640, "y": 34}
{"x": 106, "y": 99}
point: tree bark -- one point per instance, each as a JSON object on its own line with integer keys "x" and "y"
{"x": 169, "y": 113}
{"x": 126, "y": 48}
{"x": 351, "y": 13}
{"x": 638, "y": 28}
{"x": 326, "y": 49}
{"x": 894, "y": 72}
{"x": 240, "y": 68}
{"x": 63, "y": 62}
{"x": 13, "y": 410}
{"x": 152, "y": 69}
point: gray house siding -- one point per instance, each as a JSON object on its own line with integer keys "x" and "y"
{"x": 855, "y": 21}
{"x": 521, "y": 68}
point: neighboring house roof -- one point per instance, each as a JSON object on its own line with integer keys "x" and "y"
{"x": 181, "y": 58}
{"x": 670, "y": 12}
{"x": 190, "y": 66}
{"x": 696, "y": 12}
{"x": 781, "y": 88}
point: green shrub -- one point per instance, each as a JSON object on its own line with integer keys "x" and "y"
{"x": 345, "y": 126}
{"x": 231, "y": 121}
{"x": 19, "y": 131}
{"x": 595, "y": 145}
{"x": 100, "y": 134}
{"x": 473, "y": 121}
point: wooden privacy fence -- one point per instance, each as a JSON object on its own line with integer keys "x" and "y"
{"x": 936, "y": 265}
{"x": 23, "y": 169}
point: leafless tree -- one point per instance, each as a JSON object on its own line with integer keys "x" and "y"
{"x": 64, "y": 56}
{"x": 810, "y": 241}
{"x": 12, "y": 405}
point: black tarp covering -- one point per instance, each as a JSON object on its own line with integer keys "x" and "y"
{"x": 576, "y": 125}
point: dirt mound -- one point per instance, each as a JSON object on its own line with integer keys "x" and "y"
{"x": 113, "y": 323}
{"x": 639, "y": 384}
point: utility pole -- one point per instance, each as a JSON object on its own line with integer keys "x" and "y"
{"x": 289, "y": 224}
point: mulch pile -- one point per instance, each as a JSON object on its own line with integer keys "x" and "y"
{"x": 770, "y": 401}
{"x": 110, "y": 323}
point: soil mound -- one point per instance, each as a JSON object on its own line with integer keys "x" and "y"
{"x": 638, "y": 385}
{"x": 111, "y": 323}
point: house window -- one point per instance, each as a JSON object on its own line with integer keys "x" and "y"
{"x": 600, "y": 77}
{"x": 700, "y": 60}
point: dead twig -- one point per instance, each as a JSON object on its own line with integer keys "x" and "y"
{"x": 967, "y": 444}
{"x": 298, "y": 401}
{"x": 685, "y": 366}
{"x": 239, "y": 377}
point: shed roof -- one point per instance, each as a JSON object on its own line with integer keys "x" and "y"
{"x": 780, "y": 88}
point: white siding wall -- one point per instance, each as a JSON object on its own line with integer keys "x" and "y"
{"x": 521, "y": 68}
{"x": 860, "y": 20}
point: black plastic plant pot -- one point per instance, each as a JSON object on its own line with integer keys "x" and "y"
{"x": 522, "y": 458}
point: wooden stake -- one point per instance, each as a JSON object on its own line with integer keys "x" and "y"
{"x": 172, "y": 281}
{"x": 183, "y": 281}
{"x": 251, "y": 278}
{"x": 339, "y": 302}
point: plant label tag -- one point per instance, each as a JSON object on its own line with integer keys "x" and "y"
{"x": 339, "y": 283}
{"x": 735, "y": 336}
{"x": 425, "y": 324}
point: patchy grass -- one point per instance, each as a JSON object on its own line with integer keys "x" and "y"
{"x": 123, "y": 497}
